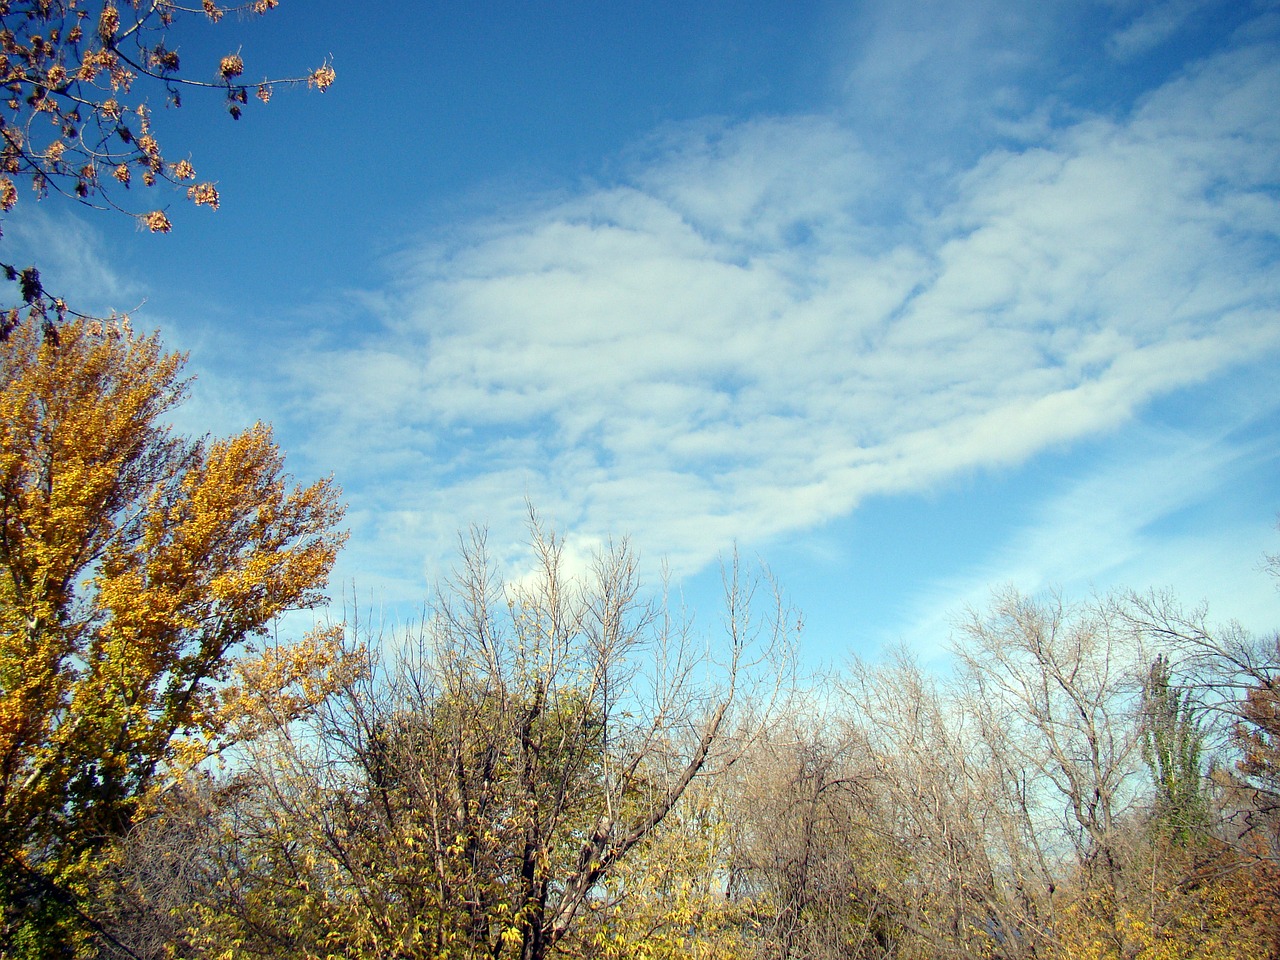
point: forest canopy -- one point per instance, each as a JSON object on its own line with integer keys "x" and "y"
{"x": 556, "y": 759}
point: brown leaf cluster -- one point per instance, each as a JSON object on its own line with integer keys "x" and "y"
{"x": 76, "y": 75}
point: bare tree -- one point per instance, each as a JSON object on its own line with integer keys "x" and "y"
{"x": 805, "y": 860}
{"x": 1063, "y": 683}
{"x": 479, "y": 788}
{"x": 960, "y": 813}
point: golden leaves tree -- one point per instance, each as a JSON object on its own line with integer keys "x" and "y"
{"x": 75, "y": 119}
{"x": 1257, "y": 736}
{"x": 140, "y": 571}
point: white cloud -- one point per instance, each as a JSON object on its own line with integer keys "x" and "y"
{"x": 733, "y": 343}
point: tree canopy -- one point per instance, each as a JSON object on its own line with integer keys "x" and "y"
{"x": 140, "y": 572}
{"x": 484, "y": 793}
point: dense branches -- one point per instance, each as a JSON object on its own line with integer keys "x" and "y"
{"x": 482, "y": 793}
{"x": 1002, "y": 808}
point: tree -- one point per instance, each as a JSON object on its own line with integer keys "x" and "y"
{"x": 1172, "y": 747}
{"x": 486, "y": 792}
{"x": 960, "y": 807}
{"x": 77, "y": 121}
{"x": 813, "y": 865}
{"x": 1065, "y": 677}
{"x": 1233, "y": 680}
{"x": 140, "y": 573}
{"x": 1258, "y": 735}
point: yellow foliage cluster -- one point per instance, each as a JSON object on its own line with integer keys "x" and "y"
{"x": 136, "y": 567}
{"x": 670, "y": 902}
{"x": 1227, "y": 915}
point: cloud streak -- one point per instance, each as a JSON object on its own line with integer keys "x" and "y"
{"x": 759, "y": 326}
{"x": 1116, "y": 528}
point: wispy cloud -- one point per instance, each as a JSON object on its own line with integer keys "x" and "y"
{"x": 928, "y": 67}
{"x": 1115, "y": 527}
{"x": 736, "y": 340}
{"x": 72, "y": 257}
{"x": 1152, "y": 25}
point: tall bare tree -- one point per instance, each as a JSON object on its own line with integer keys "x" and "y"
{"x": 478, "y": 791}
{"x": 1061, "y": 677}
{"x": 960, "y": 809}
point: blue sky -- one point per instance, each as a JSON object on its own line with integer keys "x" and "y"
{"x": 910, "y": 300}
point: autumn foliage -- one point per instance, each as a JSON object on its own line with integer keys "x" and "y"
{"x": 75, "y": 113}
{"x": 552, "y": 764}
{"x": 140, "y": 574}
